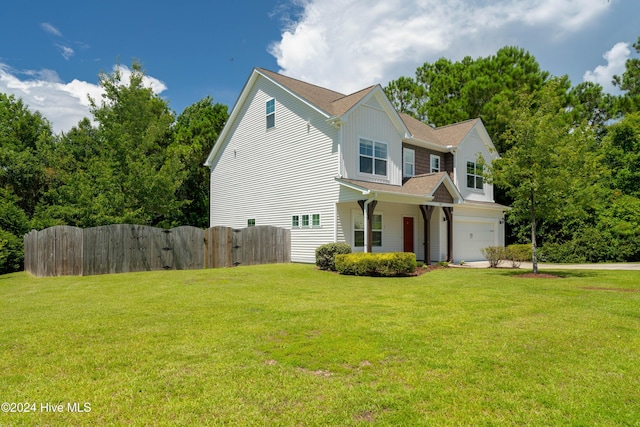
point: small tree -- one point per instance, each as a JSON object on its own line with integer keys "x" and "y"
{"x": 549, "y": 164}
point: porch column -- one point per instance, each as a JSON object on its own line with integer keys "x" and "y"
{"x": 367, "y": 211}
{"x": 448, "y": 213}
{"x": 426, "y": 211}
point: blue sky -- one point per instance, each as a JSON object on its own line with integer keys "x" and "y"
{"x": 51, "y": 52}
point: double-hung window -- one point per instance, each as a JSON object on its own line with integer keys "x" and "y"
{"x": 409, "y": 162}
{"x": 373, "y": 157}
{"x": 358, "y": 229}
{"x": 435, "y": 163}
{"x": 271, "y": 113}
{"x": 474, "y": 176}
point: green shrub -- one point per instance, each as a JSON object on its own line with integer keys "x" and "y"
{"x": 494, "y": 254}
{"x": 11, "y": 253}
{"x": 368, "y": 264}
{"x": 325, "y": 254}
{"x": 518, "y": 253}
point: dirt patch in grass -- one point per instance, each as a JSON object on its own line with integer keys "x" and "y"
{"x": 595, "y": 288}
{"x": 537, "y": 276}
{"x": 419, "y": 271}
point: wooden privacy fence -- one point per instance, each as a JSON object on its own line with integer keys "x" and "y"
{"x": 122, "y": 248}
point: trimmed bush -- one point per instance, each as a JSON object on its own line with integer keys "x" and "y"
{"x": 494, "y": 254}
{"x": 325, "y": 255}
{"x": 368, "y": 264}
{"x": 518, "y": 253}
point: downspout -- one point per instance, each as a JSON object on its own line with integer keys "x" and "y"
{"x": 453, "y": 151}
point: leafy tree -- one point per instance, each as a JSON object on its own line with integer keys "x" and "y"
{"x": 590, "y": 104}
{"x": 196, "y": 131}
{"x": 122, "y": 171}
{"x": 24, "y": 137}
{"x": 549, "y": 163}
{"x": 621, "y": 148}
{"x": 630, "y": 82}
{"x": 446, "y": 92}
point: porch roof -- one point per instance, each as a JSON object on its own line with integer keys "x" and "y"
{"x": 419, "y": 186}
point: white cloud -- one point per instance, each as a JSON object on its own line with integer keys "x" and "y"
{"x": 63, "y": 104}
{"x": 50, "y": 29}
{"x": 66, "y": 51}
{"x": 603, "y": 74}
{"x": 348, "y": 45}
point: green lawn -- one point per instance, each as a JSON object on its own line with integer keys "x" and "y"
{"x": 291, "y": 345}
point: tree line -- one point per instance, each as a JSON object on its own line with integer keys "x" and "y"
{"x": 569, "y": 167}
{"x": 570, "y": 156}
{"x": 137, "y": 163}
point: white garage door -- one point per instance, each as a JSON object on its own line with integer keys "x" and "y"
{"x": 471, "y": 236}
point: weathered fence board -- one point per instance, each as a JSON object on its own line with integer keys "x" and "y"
{"x": 123, "y": 248}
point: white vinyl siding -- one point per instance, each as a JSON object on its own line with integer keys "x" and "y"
{"x": 272, "y": 176}
{"x": 370, "y": 122}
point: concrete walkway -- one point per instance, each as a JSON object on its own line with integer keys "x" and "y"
{"x": 548, "y": 266}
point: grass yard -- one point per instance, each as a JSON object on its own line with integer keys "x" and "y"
{"x": 291, "y": 345}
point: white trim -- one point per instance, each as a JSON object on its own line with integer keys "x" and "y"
{"x": 373, "y": 159}
{"x": 269, "y": 114}
{"x": 466, "y": 178}
{"x": 405, "y": 150}
{"x": 432, "y": 157}
{"x": 358, "y": 212}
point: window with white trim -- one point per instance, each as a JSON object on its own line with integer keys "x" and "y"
{"x": 373, "y": 157}
{"x": 271, "y": 113}
{"x": 435, "y": 163}
{"x": 475, "y": 179}
{"x": 358, "y": 229}
{"x": 251, "y": 222}
{"x": 409, "y": 162}
{"x": 305, "y": 221}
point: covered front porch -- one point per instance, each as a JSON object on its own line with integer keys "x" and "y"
{"x": 415, "y": 217}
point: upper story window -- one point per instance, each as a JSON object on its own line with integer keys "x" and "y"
{"x": 409, "y": 162}
{"x": 474, "y": 176}
{"x": 435, "y": 163}
{"x": 271, "y": 113}
{"x": 373, "y": 157}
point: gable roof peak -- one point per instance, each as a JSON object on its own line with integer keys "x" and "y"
{"x": 330, "y": 101}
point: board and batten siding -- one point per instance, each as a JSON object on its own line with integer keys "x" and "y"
{"x": 272, "y": 174}
{"x": 468, "y": 150}
{"x": 371, "y": 122}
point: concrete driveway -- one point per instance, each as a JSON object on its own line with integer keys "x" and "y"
{"x": 548, "y": 266}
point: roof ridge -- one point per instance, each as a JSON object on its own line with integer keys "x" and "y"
{"x": 280, "y": 75}
{"x": 456, "y": 123}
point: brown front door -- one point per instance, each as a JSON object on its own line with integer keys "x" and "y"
{"x": 408, "y": 233}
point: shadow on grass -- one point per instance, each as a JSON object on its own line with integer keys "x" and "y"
{"x": 545, "y": 274}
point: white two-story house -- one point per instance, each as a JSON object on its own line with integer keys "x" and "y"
{"x": 349, "y": 168}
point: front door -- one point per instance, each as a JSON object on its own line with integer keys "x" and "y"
{"x": 408, "y": 233}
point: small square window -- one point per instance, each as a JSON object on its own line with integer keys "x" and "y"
{"x": 251, "y": 222}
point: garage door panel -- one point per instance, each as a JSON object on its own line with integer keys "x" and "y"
{"x": 470, "y": 237}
